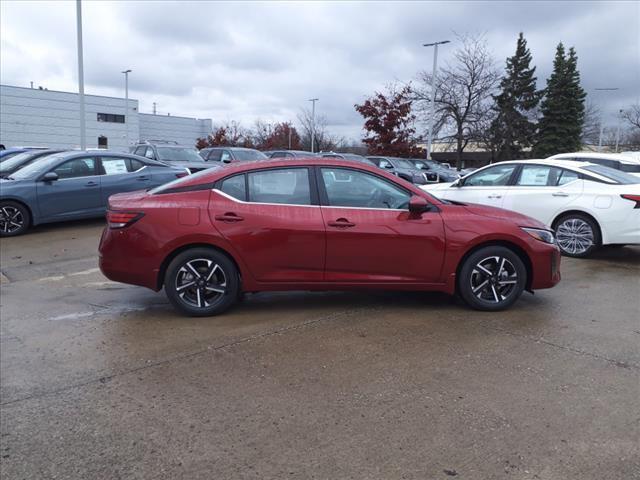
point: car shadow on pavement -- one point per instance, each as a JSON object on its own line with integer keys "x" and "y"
{"x": 629, "y": 255}
{"x": 61, "y": 227}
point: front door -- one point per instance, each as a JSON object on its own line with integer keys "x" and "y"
{"x": 543, "y": 191}
{"x": 486, "y": 187}
{"x": 273, "y": 220}
{"x": 371, "y": 236}
{"x": 75, "y": 194}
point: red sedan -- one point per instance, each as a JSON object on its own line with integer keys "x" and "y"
{"x": 318, "y": 224}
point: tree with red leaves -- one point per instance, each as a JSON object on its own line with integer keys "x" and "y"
{"x": 279, "y": 136}
{"x": 389, "y": 123}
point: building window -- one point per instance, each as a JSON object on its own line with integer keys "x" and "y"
{"x": 110, "y": 117}
{"x": 103, "y": 142}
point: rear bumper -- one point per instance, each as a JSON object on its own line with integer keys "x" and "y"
{"x": 127, "y": 260}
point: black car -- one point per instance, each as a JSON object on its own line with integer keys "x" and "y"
{"x": 290, "y": 154}
{"x": 445, "y": 174}
{"x": 405, "y": 169}
{"x": 172, "y": 154}
{"x": 16, "y": 162}
{"x": 231, "y": 154}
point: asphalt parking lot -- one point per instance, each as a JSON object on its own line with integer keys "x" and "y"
{"x": 103, "y": 380}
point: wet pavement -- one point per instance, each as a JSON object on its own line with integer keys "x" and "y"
{"x": 104, "y": 380}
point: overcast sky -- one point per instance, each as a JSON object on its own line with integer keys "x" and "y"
{"x": 244, "y": 61}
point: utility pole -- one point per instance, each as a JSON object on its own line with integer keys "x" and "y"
{"x": 154, "y": 108}
{"x": 433, "y": 91}
{"x": 126, "y": 112}
{"x": 607, "y": 89}
{"x": 83, "y": 133}
{"x": 313, "y": 122}
{"x": 618, "y": 130}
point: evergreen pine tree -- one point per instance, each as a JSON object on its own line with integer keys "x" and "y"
{"x": 563, "y": 110}
{"x": 512, "y": 130}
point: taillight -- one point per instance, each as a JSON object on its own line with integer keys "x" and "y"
{"x": 633, "y": 198}
{"x": 122, "y": 219}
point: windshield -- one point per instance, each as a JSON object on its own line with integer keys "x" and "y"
{"x": 248, "y": 155}
{"x": 35, "y": 168}
{"x": 8, "y": 155}
{"x": 615, "y": 176}
{"x": 178, "y": 154}
{"x": 404, "y": 163}
{"x": 15, "y": 161}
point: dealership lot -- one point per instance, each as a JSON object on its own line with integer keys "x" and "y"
{"x": 103, "y": 380}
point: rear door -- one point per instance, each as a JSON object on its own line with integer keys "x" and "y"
{"x": 486, "y": 187}
{"x": 371, "y": 236}
{"x": 273, "y": 219}
{"x": 76, "y": 193}
{"x": 122, "y": 174}
{"x": 543, "y": 191}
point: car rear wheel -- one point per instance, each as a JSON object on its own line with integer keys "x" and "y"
{"x": 492, "y": 278}
{"x": 14, "y": 219}
{"x": 202, "y": 282}
{"x": 577, "y": 235}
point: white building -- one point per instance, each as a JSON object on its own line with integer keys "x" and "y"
{"x": 31, "y": 116}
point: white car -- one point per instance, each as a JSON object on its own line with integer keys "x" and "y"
{"x": 587, "y": 205}
{"x": 623, "y": 162}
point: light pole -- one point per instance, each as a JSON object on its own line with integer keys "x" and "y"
{"x": 618, "y": 130}
{"x": 313, "y": 122}
{"x": 83, "y": 134}
{"x": 126, "y": 107}
{"x": 433, "y": 91}
{"x": 607, "y": 89}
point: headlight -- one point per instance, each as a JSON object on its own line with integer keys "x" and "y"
{"x": 545, "y": 236}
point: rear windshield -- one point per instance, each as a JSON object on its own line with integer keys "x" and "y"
{"x": 616, "y": 176}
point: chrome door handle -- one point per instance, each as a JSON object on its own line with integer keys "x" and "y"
{"x": 142, "y": 178}
{"x": 560, "y": 194}
{"x": 91, "y": 184}
{"x": 494, "y": 196}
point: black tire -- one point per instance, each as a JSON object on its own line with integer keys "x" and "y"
{"x": 505, "y": 284}
{"x": 212, "y": 292}
{"x": 14, "y": 218}
{"x": 574, "y": 231}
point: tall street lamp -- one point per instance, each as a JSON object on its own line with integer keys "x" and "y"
{"x": 313, "y": 122}
{"x": 433, "y": 91}
{"x": 607, "y": 89}
{"x": 83, "y": 134}
{"x": 126, "y": 100}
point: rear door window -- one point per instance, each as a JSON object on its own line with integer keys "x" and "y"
{"x": 287, "y": 186}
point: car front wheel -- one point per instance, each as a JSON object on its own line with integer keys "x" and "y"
{"x": 492, "y": 278}
{"x": 577, "y": 235}
{"x": 14, "y": 219}
{"x": 202, "y": 282}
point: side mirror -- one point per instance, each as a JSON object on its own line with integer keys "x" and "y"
{"x": 457, "y": 183}
{"x": 418, "y": 205}
{"x": 226, "y": 160}
{"x": 388, "y": 166}
{"x": 50, "y": 177}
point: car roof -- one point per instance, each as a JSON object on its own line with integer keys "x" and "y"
{"x": 619, "y": 157}
{"x": 207, "y": 176}
{"x": 233, "y": 148}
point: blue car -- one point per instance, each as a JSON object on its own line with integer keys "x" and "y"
{"x": 74, "y": 185}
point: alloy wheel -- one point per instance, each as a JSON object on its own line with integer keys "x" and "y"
{"x": 494, "y": 279}
{"x": 11, "y": 219}
{"x": 201, "y": 283}
{"x": 574, "y": 236}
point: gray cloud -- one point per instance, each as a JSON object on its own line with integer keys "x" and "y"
{"x": 250, "y": 60}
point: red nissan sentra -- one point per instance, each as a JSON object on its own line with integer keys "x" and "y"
{"x": 318, "y": 224}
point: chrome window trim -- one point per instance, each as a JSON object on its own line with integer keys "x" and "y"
{"x": 313, "y": 206}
